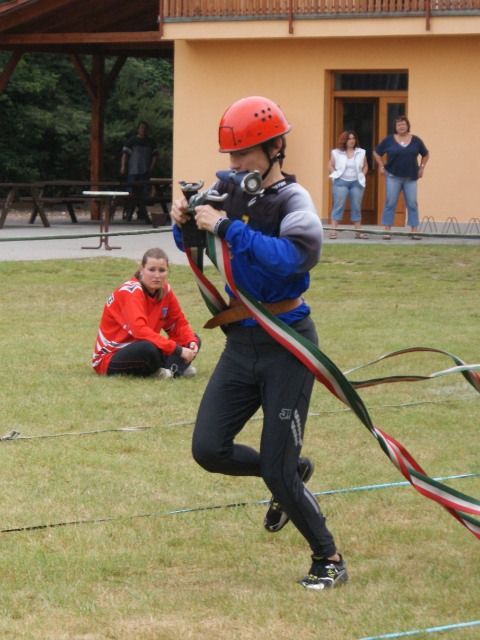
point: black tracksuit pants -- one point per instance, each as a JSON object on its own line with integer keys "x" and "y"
{"x": 142, "y": 358}
{"x": 255, "y": 371}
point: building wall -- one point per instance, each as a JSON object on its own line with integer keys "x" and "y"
{"x": 444, "y": 94}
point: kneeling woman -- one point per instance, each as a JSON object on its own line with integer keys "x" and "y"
{"x": 129, "y": 340}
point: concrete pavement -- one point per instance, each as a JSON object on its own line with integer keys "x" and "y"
{"x": 21, "y": 241}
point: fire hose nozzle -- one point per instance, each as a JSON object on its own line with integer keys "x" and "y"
{"x": 248, "y": 181}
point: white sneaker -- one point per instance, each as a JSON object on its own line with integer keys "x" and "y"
{"x": 189, "y": 372}
{"x": 163, "y": 374}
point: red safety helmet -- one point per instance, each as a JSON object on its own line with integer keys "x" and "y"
{"x": 250, "y": 121}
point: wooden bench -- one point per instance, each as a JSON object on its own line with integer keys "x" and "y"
{"x": 39, "y": 195}
{"x": 14, "y": 189}
{"x": 51, "y": 201}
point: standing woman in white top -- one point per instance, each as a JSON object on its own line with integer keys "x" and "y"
{"x": 347, "y": 168}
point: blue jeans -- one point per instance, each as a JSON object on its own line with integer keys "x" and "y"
{"x": 139, "y": 177}
{"x": 140, "y": 192}
{"x": 395, "y": 185}
{"x": 343, "y": 189}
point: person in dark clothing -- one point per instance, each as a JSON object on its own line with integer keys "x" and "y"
{"x": 401, "y": 172}
{"x": 274, "y": 239}
{"x": 139, "y": 156}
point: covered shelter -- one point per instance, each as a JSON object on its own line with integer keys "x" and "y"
{"x": 117, "y": 29}
{"x": 338, "y": 65}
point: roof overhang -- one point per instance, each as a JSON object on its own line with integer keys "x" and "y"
{"x": 109, "y": 27}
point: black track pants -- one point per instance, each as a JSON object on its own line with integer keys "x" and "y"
{"x": 143, "y": 358}
{"x": 255, "y": 371}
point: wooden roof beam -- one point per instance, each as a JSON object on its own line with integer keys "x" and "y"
{"x": 130, "y": 38}
{"x": 9, "y": 69}
{"x": 88, "y": 15}
{"x": 20, "y": 14}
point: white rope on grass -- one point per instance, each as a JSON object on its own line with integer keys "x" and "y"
{"x": 15, "y": 435}
{"x": 109, "y": 234}
{"x": 215, "y": 507}
{"x": 408, "y": 234}
{"x": 403, "y": 634}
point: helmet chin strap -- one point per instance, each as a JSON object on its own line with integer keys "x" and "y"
{"x": 271, "y": 162}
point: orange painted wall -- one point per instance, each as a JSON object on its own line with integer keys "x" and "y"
{"x": 444, "y": 94}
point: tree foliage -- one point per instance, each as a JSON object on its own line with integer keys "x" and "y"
{"x": 45, "y": 117}
{"x": 143, "y": 91}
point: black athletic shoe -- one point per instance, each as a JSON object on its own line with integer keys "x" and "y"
{"x": 276, "y": 518}
{"x": 325, "y": 574}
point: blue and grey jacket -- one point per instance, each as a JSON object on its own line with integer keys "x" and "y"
{"x": 275, "y": 238}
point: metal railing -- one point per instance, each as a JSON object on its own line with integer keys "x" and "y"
{"x": 238, "y": 9}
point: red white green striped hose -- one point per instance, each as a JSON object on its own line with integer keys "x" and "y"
{"x": 459, "y": 505}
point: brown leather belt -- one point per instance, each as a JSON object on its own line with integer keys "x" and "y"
{"x": 237, "y": 311}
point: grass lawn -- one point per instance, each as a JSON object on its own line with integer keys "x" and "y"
{"x": 153, "y": 547}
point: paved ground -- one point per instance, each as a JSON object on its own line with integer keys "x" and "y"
{"x": 17, "y": 238}
{"x": 141, "y": 237}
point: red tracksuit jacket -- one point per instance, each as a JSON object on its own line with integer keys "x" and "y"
{"x": 130, "y": 314}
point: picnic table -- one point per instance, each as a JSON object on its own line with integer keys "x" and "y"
{"x": 104, "y": 198}
{"x": 22, "y": 192}
{"x": 142, "y": 194}
{"x": 43, "y": 194}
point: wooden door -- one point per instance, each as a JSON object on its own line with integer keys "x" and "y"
{"x": 389, "y": 109}
{"x": 372, "y": 117}
{"x": 360, "y": 115}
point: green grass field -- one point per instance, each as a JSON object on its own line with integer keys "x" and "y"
{"x": 153, "y": 547}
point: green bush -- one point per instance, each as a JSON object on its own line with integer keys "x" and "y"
{"x": 45, "y": 117}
